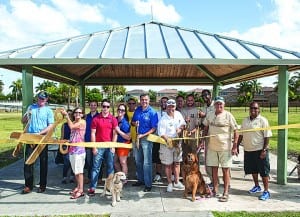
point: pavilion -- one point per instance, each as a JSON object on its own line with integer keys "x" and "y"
{"x": 156, "y": 54}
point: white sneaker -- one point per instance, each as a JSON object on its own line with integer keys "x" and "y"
{"x": 172, "y": 178}
{"x": 179, "y": 185}
{"x": 157, "y": 178}
{"x": 170, "y": 187}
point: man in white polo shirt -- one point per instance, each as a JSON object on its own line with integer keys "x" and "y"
{"x": 256, "y": 154}
{"x": 169, "y": 126}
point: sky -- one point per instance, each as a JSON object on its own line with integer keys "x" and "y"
{"x": 28, "y": 22}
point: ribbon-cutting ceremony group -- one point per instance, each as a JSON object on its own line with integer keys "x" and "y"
{"x": 157, "y": 140}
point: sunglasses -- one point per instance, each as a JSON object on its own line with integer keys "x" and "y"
{"x": 77, "y": 112}
{"x": 131, "y": 103}
{"x": 105, "y": 106}
{"x": 254, "y": 108}
{"x": 121, "y": 110}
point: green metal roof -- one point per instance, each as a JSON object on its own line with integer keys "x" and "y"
{"x": 150, "y": 53}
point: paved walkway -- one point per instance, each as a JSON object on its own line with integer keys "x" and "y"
{"x": 55, "y": 201}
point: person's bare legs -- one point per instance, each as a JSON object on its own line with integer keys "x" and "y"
{"x": 255, "y": 179}
{"x": 215, "y": 179}
{"x": 226, "y": 180}
{"x": 168, "y": 171}
{"x": 176, "y": 170}
{"x": 123, "y": 162}
{"x": 266, "y": 183}
{"x": 80, "y": 182}
{"x": 117, "y": 163}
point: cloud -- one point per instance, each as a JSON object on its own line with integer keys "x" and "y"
{"x": 283, "y": 31}
{"x": 27, "y": 22}
{"x": 74, "y": 10}
{"x": 160, "y": 11}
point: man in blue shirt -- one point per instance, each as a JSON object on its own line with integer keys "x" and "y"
{"x": 145, "y": 119}
{"x": 40, "y": 119}
{"x": 87, "y": 138}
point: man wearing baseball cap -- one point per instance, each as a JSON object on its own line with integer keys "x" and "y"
{"x": 169, "y": 126}
{"x": 39, "y": 119}
{"x": 222, "y": 125}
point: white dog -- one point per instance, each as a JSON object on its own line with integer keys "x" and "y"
{"x": 114, "y": 185}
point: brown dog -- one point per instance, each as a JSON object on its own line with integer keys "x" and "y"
{"x": 114, "y": 184}
{"x": 192, "y": 177}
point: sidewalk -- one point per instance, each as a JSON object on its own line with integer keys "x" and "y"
{"x": 135, "y": 202}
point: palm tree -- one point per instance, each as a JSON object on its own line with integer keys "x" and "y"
{"x": 182, "y": 93}
{"x": 255, "y": 87}
{"x": 44, "y": 85}
{"x": 17, "y": 89}
{"x": 245, "y": 93}
{"x": 293, "y": 85}
{"x": 113, "y": 92}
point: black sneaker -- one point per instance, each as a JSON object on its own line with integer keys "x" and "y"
{"x": 147, "y": 189}
{"x": 138, "y": 183}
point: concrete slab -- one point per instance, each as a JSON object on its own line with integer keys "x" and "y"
{"x": 158, "y": 202}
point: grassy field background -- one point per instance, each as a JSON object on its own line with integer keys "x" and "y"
{"x": 10, "y": 122}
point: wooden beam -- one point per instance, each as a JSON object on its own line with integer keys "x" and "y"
{"x": 148, "y": 81}
{"x": 244, "y": 72}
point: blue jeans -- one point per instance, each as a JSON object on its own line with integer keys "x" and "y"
{"x": 103, "y": 153}
{"x": 144, "y": 162}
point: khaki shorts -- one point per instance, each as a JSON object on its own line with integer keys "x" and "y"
{"x": 170, "y": 155}
{"x": 77, "y": 163}
{"x": 219, "y": 158}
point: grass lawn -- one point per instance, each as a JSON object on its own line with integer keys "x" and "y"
{"x": 256, "y": 214}
{"x": 10, "y": 122}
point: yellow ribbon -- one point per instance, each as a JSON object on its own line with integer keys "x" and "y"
{"x": 158, "y": 139}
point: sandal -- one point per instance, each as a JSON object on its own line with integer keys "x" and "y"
{"x": 224, "y": 198}
{"x": 77, "y": 195}
{"x": 74, "y": 191}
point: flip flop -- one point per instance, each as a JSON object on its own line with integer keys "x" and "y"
{"x": 77, "y": 195}
{"x": 224, "y": 198}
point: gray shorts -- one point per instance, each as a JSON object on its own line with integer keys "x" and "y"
{"x": 170, "y": 155}
{"x": 219, "y": 158}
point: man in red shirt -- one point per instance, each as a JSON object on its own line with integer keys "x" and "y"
{"x": 103, "y": 129}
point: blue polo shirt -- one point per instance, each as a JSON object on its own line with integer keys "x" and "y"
{"x": 88, "y": 120}
{"x": 124, "y": 127}
{"x": 40, "y": 118}
{"x": 147, "y": 119}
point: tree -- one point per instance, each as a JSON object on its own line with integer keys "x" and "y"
{"x": 152, "y": 95}
{"x": 93, "y": 95}
{"x": 293, "y": 86}
{"x": 44, "y": 85}
{"x": 114, "y": 93}
{"x": 255, "y": 87}
{"x": 182, "y": 93}
{"x": 16, "y": 89}
{"x": 247, "y": 91}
